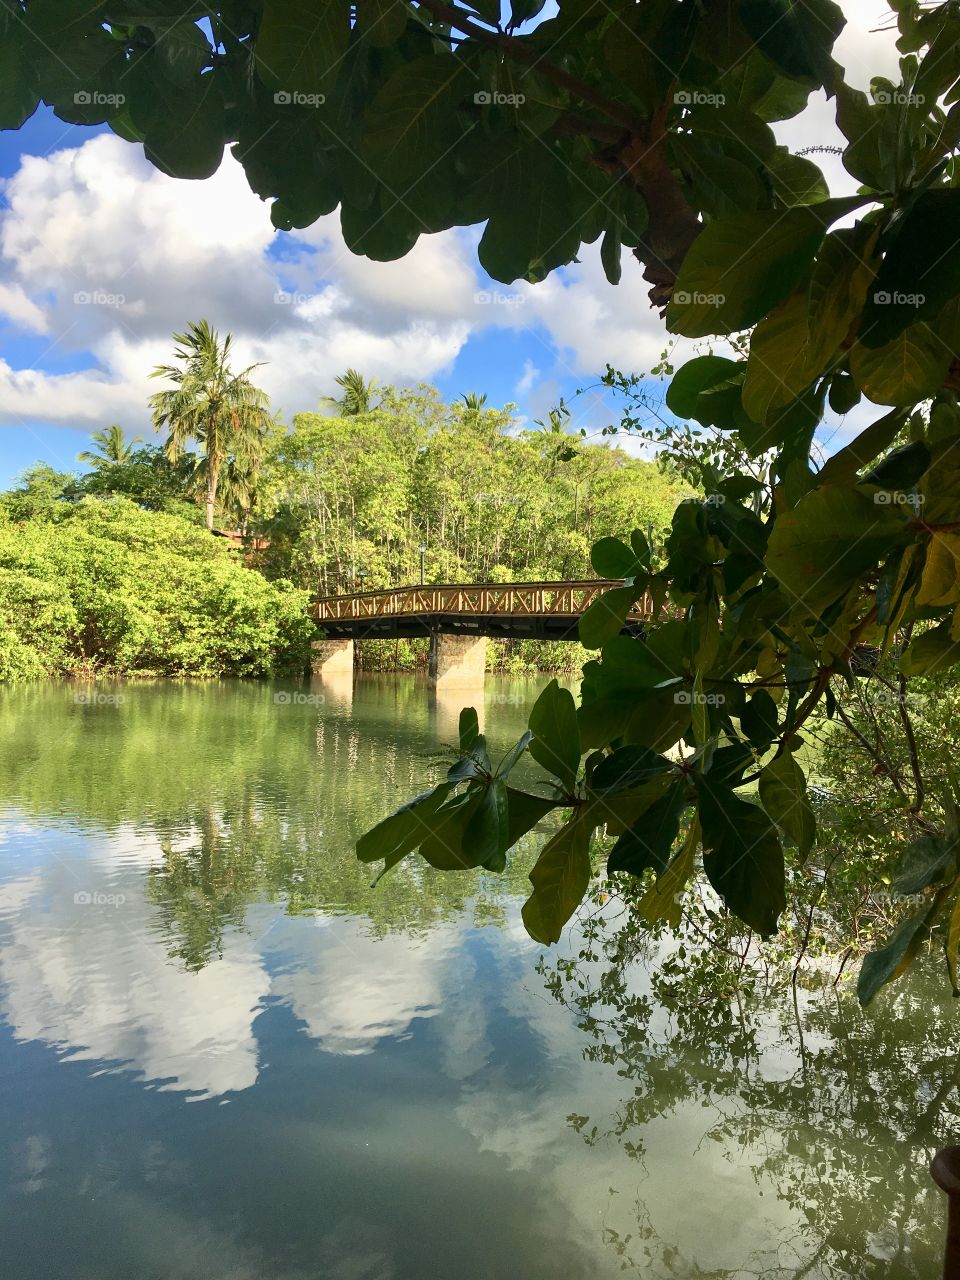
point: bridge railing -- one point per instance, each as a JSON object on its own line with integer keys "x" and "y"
{"x": 516, "y": 599}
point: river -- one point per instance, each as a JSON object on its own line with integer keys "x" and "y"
{"x": 225, "y": 1056}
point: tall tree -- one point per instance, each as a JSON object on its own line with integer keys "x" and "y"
{"x": 221, "y": 410}
{"x": 357, "y": 397}
{"x": 113, "y": 448}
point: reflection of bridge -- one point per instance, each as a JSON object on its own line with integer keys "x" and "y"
{"x": 458, "y": 618}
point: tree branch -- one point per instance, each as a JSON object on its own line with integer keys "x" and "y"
{"x": 638, "y": 149}
{"x": 913, "y": 753}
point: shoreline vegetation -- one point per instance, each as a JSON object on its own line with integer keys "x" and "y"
{"x": 118, "y": 572}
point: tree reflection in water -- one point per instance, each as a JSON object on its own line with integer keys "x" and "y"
{"x": 834, "y": 1111}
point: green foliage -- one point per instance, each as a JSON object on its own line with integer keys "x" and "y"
{"x": 359, "y": 494}
{"x": 784, "y": 572}
{"x": 103, "y": 586}
{"x": 547, "y": 136}
{"x": 148, "y": 478}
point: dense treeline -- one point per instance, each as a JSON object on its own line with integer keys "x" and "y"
{"x": 355, "y": 497}
{"x": 112, "y": 570}
{"x": 100, "y": 585}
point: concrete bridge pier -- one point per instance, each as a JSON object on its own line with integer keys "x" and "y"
{"x": 457, "y": 662}
{"x": 456, "y": 672}
{"x": 332, "y": 659}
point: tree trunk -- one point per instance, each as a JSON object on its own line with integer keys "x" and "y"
{"x": 211, "y": 495}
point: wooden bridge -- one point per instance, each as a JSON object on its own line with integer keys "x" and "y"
{"x": 517, "y": 610}
{"x": 458, "y": 618}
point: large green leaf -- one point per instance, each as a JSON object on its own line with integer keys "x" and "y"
{"x": 648, "y": 843}
{"x": 796, "y": 180}
{"x": 627, "y": 768}
{"x": 186, "y": 138}
{"x": 381, "y": 22}
{"x": 794, "y": 344}
{"x": 612, "y": 558}
{"x": 443, "y": 842}
{"x": 404, "y": 829}
{"x": 509, "y": 761}
{"x": 940, "y": 579}
{"x": 285, "y": 161}
{"x": 556, "y": 735}
{"x": 835, "y": 534}
{"x": 487, "y": 834}
{"x": 842, "y": 467}
{"x": 741, "y": 856}
{"x": 697, "y": 376}
{"x": 902, "y": 468}
{"x": 534, "y": 210}
{"x": 384, "y": 230}
{"x": 920, "y": 272}
{"x": 909, "y": 368}
{"x": 759, "y": 720}
{"x": 662, "y": 901}
{"x": 415, "y": 115}
{"x": 719, "y": 184}
{"x": 869, "y": 157}
{"x": 754, "y": 82}
{"x": 940, "y": 485}
{"x": 61, "y": 20}
{"x": 301, "y": 44}
{"x": 735, "y": 130}
{"x": 19, "y": 89}
{"x": 797, "y": 35}
{"x": 890, "y": 961}
{"x": 183, "y": 48}
{"x": 468, "y": 728}
{"x": 932, "y": 652}
{"x": 739, "y": 268}
{"x": 928, "y": 860}
{"x": 560, "y": 879}
{"x": 783, "y": 793}
{"x": 606, "y": 617}
{"x": 781, "y": 364}
{"x": 86, "y": 79}
{"x": 525, "y": 811}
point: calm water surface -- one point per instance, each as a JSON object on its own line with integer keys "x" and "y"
{"x": 224, "y": 1056}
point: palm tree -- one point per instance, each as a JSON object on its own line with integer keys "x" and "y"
{"x": 113, "y": 449}
{"x": 221, "y": 410}
{"x": 556, "y": 424}
{"x": 473, "y": 402}
{"x": 357, "y": 395}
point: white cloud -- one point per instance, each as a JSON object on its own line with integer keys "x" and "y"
{"x": 352, "y": 991}
{"x": 109, "y": 257}
{"x": 74, "y": 399}
{"x": 95, "y": 981}
{"x": 16, "y": 306}
{"x": 528, "y": 379}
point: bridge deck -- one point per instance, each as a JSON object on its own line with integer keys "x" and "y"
{"x": 534, "y": 610}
